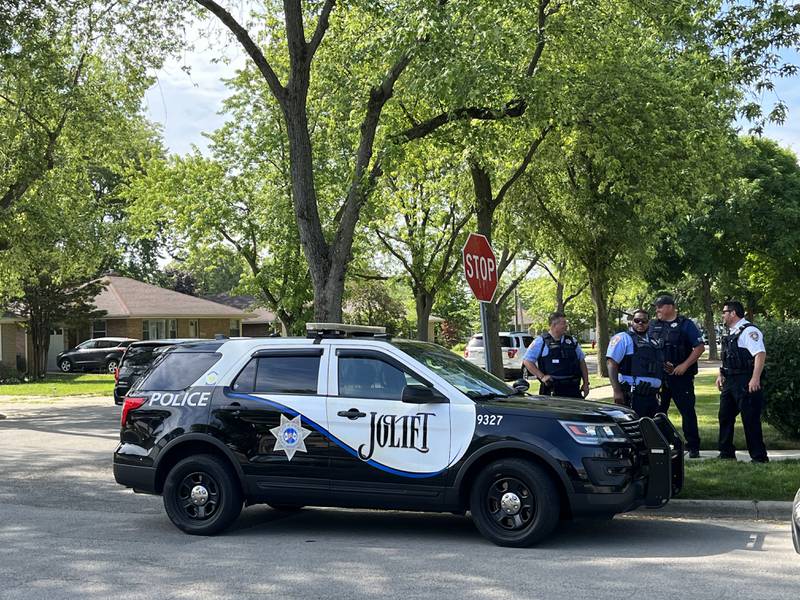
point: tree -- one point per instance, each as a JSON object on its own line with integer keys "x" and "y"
{"x": 67, "y": 73}
{"x": 643, "y": 129}
{"x": 421, "y": 223}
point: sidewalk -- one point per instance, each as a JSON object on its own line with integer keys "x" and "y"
{"x": 750, "y": 510}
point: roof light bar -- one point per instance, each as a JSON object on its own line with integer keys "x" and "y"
{"x": 342, "y": 330}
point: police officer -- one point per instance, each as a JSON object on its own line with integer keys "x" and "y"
{"x": 635, "y": 364}
{"x": 682, "y": 345}
{"x": 743, "y": 356}
{"x": 558, "y": 361}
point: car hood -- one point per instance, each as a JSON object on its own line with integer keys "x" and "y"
{"x": 559, "y": 408}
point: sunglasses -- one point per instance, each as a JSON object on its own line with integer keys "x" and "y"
{"x": 725, "y": 310}
{"x": 640, "y": 321}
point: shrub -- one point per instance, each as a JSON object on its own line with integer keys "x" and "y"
{"x": 782, "y": 376}
{"x": 459, "y": 348}
{"x": 8, "y": 375}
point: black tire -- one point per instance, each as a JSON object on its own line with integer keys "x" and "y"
{"x": 287, "y": 507}
{"x": 223, "y": 495}
{"x": 537, "y": 503}
{"x": 111, "y": 365}
{"x": 65, "y": 365}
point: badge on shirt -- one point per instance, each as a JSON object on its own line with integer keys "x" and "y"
{"x": 674, "y": 324}
{"x": 568, "y": 341}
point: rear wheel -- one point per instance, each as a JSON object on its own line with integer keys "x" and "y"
{"x": 514, "y": 503}
{"x": 202, "y": 495}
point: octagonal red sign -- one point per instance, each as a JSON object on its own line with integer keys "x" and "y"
{"x": 480, "y": 267}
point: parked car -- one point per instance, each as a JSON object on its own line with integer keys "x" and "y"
{"x": 513, "y": 345}
{"x": 99, "y": 354}
{"x": 796, "y": 522}
{"x": 344, "y": 418}
{"x": 136, "y": 361}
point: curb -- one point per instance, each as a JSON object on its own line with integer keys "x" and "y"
{"x": 722, "y": 509}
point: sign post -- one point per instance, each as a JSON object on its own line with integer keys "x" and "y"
{"x": 480, "y": 268}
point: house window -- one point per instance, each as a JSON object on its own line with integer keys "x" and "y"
{"x": 234, "y": 328}
{"x": 159, "y": 329}
{"x": 99, "y": 328}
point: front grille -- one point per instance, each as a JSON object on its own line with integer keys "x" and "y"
{"x": 634, "y": 432}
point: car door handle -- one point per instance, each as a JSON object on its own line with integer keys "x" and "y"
{"x": 234, "y": 408}
{"x": 352, "y": 414}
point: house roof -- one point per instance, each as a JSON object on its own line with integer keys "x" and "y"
{"x": 259, "y": 315}
{"x": 128, "y": 298}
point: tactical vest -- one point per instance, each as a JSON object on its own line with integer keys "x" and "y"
{"x": 647, "y": 359}
{"x": 736, "y": 360}
{"x": 677, "y": 347}
{"x": 561, "y": 361}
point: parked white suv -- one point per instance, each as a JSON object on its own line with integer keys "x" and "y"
{"x": 513, "y": 345}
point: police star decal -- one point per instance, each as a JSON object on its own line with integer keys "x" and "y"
{"x": 290, "y": 436}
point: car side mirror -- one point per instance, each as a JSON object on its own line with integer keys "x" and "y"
{"x": 419, "y": 394}
{"x": 521, "y": 385}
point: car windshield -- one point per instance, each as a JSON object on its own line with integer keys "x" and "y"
{"x": 461, "y": 374}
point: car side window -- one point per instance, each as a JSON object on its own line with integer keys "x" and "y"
{"x": 280, "y": 374}
{"x": 362, "y": 377}
{"x": 88, "y": 345}
{"x": 106, "y": 344}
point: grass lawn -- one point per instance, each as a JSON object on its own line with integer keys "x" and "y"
{"x": 62, "y": 384}
{"x": 730, "y": 480}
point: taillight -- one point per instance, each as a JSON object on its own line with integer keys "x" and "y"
{"x": 116, "y": 375}
{"x": 512, "y": 353}
{"x": 129, "y": 405}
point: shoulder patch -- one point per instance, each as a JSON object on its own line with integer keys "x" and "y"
{"x": 614, "y": 341}
{"x": 754, "y": 336}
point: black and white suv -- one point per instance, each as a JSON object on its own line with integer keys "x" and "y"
{"x": 350, "y": 418}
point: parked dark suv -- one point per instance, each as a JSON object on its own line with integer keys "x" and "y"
{"x": 351, "y": 418}
{"x": 136, "y": 361}
{"x": 99, "y": 354}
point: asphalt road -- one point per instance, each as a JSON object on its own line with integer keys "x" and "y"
{"x": 68, "y": 531}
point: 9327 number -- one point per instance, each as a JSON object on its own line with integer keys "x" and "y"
{"x": 489, "y": 419}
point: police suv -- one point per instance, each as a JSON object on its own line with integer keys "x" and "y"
{"x": 349, "y": 417}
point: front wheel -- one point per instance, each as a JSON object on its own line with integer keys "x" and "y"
{"x": 201, "y": 495}
{"x": 112, "y": 365}
{"x": 65, "y": 365}
{"x": 514, "y": 503}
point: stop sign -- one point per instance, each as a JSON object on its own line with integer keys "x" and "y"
{"x": 480, "y": 267}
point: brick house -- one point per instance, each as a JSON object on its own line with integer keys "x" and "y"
{"x": 13, "y": 342}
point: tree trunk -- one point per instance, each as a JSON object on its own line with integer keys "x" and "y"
{"x": 708, "y": 317}
{"x": 560, "y": 295}
{"x": 328, "y": 285}
{"x": 599, "y": 290}
{"x": 485, "y": 207}
{"x": 424, "y": 302}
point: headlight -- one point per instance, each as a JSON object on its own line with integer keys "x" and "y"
{"x": 594, "y": 433}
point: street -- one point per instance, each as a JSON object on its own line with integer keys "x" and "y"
{"x": 68, "y": 531}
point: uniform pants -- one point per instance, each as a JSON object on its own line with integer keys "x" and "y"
{"x": 736, "y": 400}
{"x": 567, "y": 388}
{"x": 681, "y": 389}
{"x": 643, "y": 404}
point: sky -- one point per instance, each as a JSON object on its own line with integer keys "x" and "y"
{"x": 188, "y": 104}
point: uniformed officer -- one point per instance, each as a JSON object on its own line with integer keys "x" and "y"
{"x": 739, "y": 380}
{"x": 635, "y": 365}
{"x": 683, "y": 345}
{"x": 558, "y": 361}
